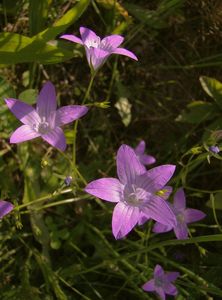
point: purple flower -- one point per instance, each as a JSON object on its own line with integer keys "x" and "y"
{"x": 144, "y": 158}
{"x": 214, "y": 149}
{"x": 183, "y": 215}
{"x": 161, "y": 283}
{"x": 68, "y": 180}
{"x": 135, "y": 193}
{"x": 97, "y": 50}
{"x": 5, "y": 208}
{"x": 45, "y": 120}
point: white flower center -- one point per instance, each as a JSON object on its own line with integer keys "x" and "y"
{"x": 134, "y": 195}
{"x": 94, "y": 43}
{"x": 42, "y": 127}
{"x": 159, "y": 282}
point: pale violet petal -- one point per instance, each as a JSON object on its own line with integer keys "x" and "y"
{"x": 179, "y": 200}
{"x": 149, "y": 286}
{"x": 142, "y": 219}
{"x": 46, "y": 101}
{"x": 71, "y": 38}
{"x": 5, "y": 208}
{"x": 128, "y": 165}
{"x": 22, "y": 134}
{"x": 125, "y": 52}
{"x": 98, "y": 57}
{"x": 155, "y": 179}
{"x": 124, "y": 218}
{"x": 158, "y": 271}
{"x": 23, "y": 111}
{"x": 109, "y": 189}
{"x": 112, "y": 41}
{"x": 70, "y": 113}
{"x": 181, "y": 231}
{"x": 172, "y": 276}
{"x": 161, "y": 293}
{"x": 159, "y": 228}
{"x": 89, "y": 37}
{"x": 193, "y": 215}
{"x": 160, "y": 211}
{"x": 140, "y": 148}
{"x": 170, "y": 289}
{"x": 56, "y": 138}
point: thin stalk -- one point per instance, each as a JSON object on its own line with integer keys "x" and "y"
{"x": 76, "y": 123}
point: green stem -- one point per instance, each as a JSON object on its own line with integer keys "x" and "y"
{"x": 76, "y": 124}
{"x": 47, "y": 197}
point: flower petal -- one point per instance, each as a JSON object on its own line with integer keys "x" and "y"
{"x": 128, "y": 165}
{"x": 149, "y": 286}
{"x": 159, "y": 228}
{"x": 158, "y": 271}
{"x": 179, "y": 199}
{"x": 24, "y": 112}
{"x": 109, "y": 189}
{"x": 161, "y": 293}
{"x": 70, "y": 113}
{"x": 112, "y": 41}
{"x": 193, "y": 215}
{"x": 97, "y": 57}
{"x": 124, "y": 219}
{"x": 89, "y": 37}
{"x": 46, "y": 102}
{"x": 146, "y": 159}
{"x": 22, "y": 134}
{"x": 71, "y": 38}
{"x": 172, "y": 276}
{"x": 5, "y": 208}
{"x": 160, "y": 211}
{"x": 181, "y": 231}
{"x": 142, "y": 219}
{"x": 170, "y": 289}
{"x": 155, "y": 179}
{"x": 56, "y": 138}
{"x": 125, "y": 52}
{"x": 140, "y": 148}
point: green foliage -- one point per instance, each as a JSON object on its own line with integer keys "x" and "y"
{"x": 57, "y": 243}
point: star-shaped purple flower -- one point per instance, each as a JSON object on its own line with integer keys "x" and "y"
{"x": 161, "y": 283}
{"x": 45, "y": 120}
{"x": 97, "y": 50}
{"x": 5, "y": 208}
{"x": 183, "y": 215}
{"x": 145, "y": 159}
{"x": 135, "y": 193}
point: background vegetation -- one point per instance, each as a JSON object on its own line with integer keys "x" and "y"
{"x": 58, "y": 243}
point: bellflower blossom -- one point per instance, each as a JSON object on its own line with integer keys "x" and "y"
{"x": 135, "y": 192}
{"x": 45, "y": 120}
{"x": 97, "y": 49}
{"x": 161, "y": 283}
{"x": 145, "y": 159}
{"x": 183, "y": 215}
{"x": 5, "y": 208}
{"x": 214, "y": 149}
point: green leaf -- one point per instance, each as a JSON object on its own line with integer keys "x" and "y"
{"x": 199, "y": 111}
{"x": 16, "y": 48}
{"x": 64, "y": 22}
{"x": 29, "y": 96}
{"x": 213, "y": 88}
{"x": 38, "y": 13}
